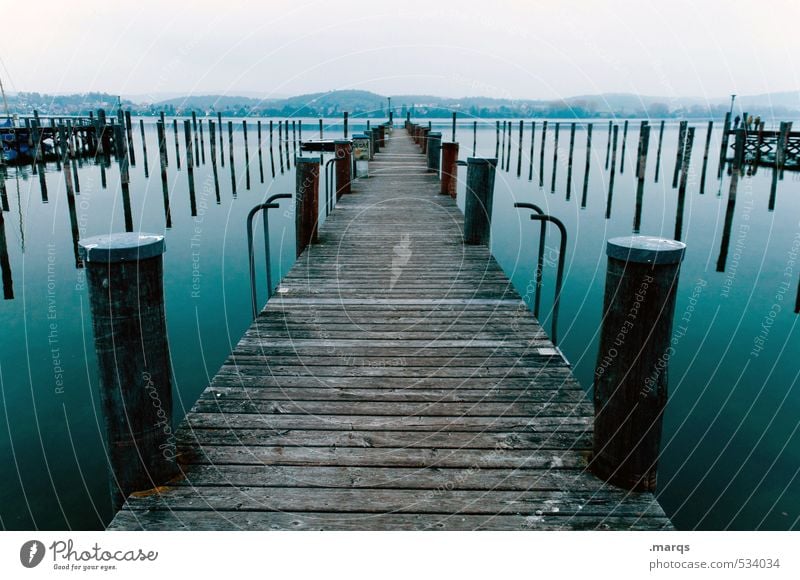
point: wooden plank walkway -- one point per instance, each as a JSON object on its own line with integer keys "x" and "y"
{"x": 397, "y": 381}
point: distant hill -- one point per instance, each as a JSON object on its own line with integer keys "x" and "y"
{"x": 360, "y": 103}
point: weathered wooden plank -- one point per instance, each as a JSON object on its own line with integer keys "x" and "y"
{"x": 309, "y": 521}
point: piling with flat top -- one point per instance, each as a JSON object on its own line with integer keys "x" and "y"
{"x": 585, "y": 194}
{"x": 344, "y": 120}
{"x": 434, "y": 150}
{"x": 474, "y": 137}
{"x": 609, "y": 201}
{"x": 608, "y": 145}
{"x": 125, "y": 279}
{"x": 497, "y": 139}
{"x": 187, "y": 131}
{"x": 630, "y": 382}
{"x": 679, "y": 155}
{"x": 641, "y": 170}
{"x": 453, "y": 138}
{"x": 705, "y": 157}
{"x": 230, "y": 151}
{"x": 569, "y": 159}
{"x": 624, "y": 143}
{"x": 519, "y": 148}
{"x": 343, "y": 149}
{"x": 478, "y": 201}
{"x": 177, "y": 143}
{"x": 555, "y": 159}
{"x": 449, "y": 172}
{"x": 687, "y": 155}
{"x": 221, "y": 141}
{"x": 503, "y": 147}
{"x": 162, "y": 158}
{"x": 541, "y": 154}
{"x": 658, "y": 152}
{"x": 144, "y": 148}
{"x": 196, "y": 144}
{"x": 306, "y": 209}
{"x": 246, "y": 156}
{"x": 423, "y": 140}
{"x": 129, "y": 135}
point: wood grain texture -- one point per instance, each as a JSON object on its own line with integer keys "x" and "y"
{"x": 395, "y": 381}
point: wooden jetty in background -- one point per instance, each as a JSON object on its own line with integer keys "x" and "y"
{"x": 395, "y": 381}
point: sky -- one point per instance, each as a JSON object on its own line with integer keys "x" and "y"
{"x": 510, "y": 49}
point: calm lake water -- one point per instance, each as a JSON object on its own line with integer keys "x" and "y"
{"x": 731, "y": 448}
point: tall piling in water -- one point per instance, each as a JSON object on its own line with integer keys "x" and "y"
{"x": 125, "y": 279}
{"x": 306, "y": 208}
{"x": 449, "y": 172}
{"x": 679, "y": 154}
{"x": 569, "y": 159}
{"x": 187, "y": 130}
{"x": 555, "y": 159}
{"x": 624, "y": 142}
{"x": 630, "y": 381}
{"x": 519, "y": 148}
{"x": 610, "y": 197}
{"x": 478, "y": 200}
{"x": 709, "y": 131}
{"x": 687, "y": 156}
{"x": 530, "y": 159}
{"x": 586, "y": 169}
{"x": 658, "y": 152}
{"x": 541, "y": 154}
{"x": 641, "y": 170}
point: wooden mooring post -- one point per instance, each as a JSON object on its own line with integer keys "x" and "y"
{"x": 588, "y": 166}
{"x": 709, "y": 131}
{"x": 679, "y": 153}
{"x": 687, "y": 156}
{"x": 433, "y": 155}
{"x": 187, "y": 130}
{"x": 125, "y": 280}
{"x": 306, "y": 207}
{"x": 636, "y": 344}
{"x": 610, "y": 197}
{"x": 449, "y": 171}
{"x": 530, "y": 159}
{"x": 343, "y": 149}
{"x": 478, "y": 201}
{"x": 641, "y": 169}
{"x": 541, "y": 154}
{"x": 162, "y": 159}
{"x": 569, "y": 159}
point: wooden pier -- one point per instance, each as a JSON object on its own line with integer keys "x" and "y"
{"x": 396, "y": 381}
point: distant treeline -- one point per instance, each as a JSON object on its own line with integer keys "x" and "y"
{"x": 370, "y": 105}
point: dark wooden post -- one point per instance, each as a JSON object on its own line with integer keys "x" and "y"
{"x": 684, "y": 125}
{"x": 541, "y": 154}
{"x": 624, "y": 143}
{"x": 345, "y": 125}
{"x": 569, "y": 159}
{"x": 306, "y": 206}
{"x": 129, "y": 135}
{"x": 658, "y": 153}
{"x": 454, "y": 126}
{"x": 162, "y": 158}
{"x": 630, "y": 384}
{"x": 187, "y": 131}
{"x": 423, "y": 141}
{"x": 434, "y": 150}
{"x": 449, "y": 169}
{"x": 588, "y": 165}
{"x": 343, "y": 149}
{"x": 124, "y": 273}
{"x": 705, "y": 156}
{"x": 478, "y": 201}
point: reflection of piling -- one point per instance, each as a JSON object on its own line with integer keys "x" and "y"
{"x": 588, "y": 165}
{"x": 125, "y": 278}
{"x": 162, "y": 157}
{"x": 478, "y": 200}
{"x": 555, "y": 159}
{"x": 630, "y": 386}
{"x": 705, "y": 157}
{"x": 306, "y": 201}
{"x": 187, "y": 129}
{"x": 449, "y": 169}
{"x": 541, "y": 154}
{"x": 569, "y": 159}
{"x": 610, "y": 198}
{"x": 5, "y": 263}
{"x": 641, "y": 169}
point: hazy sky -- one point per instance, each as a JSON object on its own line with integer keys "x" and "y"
{"x": 516, "y": 49}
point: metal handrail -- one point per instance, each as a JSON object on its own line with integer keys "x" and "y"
{"x": 542, "y": 217}
{"x": 540, "y": 262}
{"x": 264, "y": 207}
{"x": 329, "y": 203}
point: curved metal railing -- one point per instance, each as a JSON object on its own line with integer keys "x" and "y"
{"x": 544, "y": 218}
{"x": 264, "y": 208}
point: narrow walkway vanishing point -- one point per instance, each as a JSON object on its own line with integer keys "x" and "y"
{"x": 395, "y": 381}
